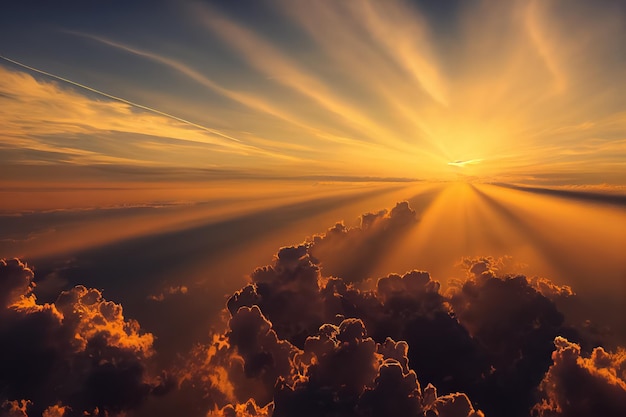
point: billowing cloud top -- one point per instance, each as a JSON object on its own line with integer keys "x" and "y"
{"x": 300, "y": 342}
{"x": 78, "y": 354}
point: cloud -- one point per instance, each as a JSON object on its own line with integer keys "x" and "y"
{"x": 514, "y": 324}
{"x": 613, "y": 195}
{"x": 269, "y": 60}
{"x": 249, "y": 409}
{"x": 352, "y": 253}
{"x": 576, "y": 385}
{"x": 79, "y": 351}
{"x": 15, "y": 408}
{"x": 489, "y": 336}
{"x": 42, "y": 120}
{"x": 288, "y": 294}
{"x": 265, "y": 356}
{"x": 16, "y": 281}
{"x": 299, "y": 341}
{"x": 119, "y": 99}
{"x": 56, "y": 411}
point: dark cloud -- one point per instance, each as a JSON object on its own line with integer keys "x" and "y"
{"x": 490, "y": 336}
{"x": 411, "y": 308}
{"x": 79, "y": 351}
{"x": 288, "y": 294}
{"x": 16, "y": 281}
{"x": 15, "y": 408}
{"x": 352, "y": 253}
{"x": 242, "y": 364}
{"x": 300, "y": 341}
{"x": 576, "y": 385}
{"x": 265, "y": 356}
{"x": 205, "y": 379}
{"x": 336, "y": 366}
{"x": 514, "y": 325}
{"x": 396, "y": 392}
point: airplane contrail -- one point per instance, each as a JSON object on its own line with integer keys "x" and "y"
{"x": 121, "y": 100}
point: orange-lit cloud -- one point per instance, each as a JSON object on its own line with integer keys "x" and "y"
{"x": 79, "y": 351}
{"x": 36, "y": 112}
{"x": 309, "y": 333}
{"x": 485, "y": 335}
{"x": 579, "y": 385}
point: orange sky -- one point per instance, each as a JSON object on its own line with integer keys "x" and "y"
{"x": 515, "y": 91}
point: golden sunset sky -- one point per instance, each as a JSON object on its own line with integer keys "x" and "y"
{"x": 516, "y": 91}
{"x": 255, "y": 181}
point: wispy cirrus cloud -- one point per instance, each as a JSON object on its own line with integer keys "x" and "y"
{"x": 44, "y": 117}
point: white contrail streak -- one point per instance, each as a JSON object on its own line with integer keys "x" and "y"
{"x": 121, "y": 100}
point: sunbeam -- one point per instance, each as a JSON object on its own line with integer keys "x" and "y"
{"x": 287, "y": 208}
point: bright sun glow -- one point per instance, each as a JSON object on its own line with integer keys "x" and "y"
{"x": 281, "y": 208}
{"x": 403, "y": 89}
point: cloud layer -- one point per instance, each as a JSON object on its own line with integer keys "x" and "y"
{"x": 308, "y": 343}
{"x": 313, "y": 335}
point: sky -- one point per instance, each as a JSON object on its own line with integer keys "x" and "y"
{"x": 406, "y": 89}
{"x": 273, "y": 208}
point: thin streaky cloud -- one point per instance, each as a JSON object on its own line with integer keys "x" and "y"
{"x": 120, "y": 99}
{"x": 269, "y": 60}
{"x": 244, "y": 99}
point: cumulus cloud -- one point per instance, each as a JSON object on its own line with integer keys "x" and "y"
{"x": 300, "y": 341}
{"x": 205, "y": 378}
{"x": 265, "y": 356}
{"x": 79, "y": 351}
{"x": 306, "y": 338}
{"x": 16, "y": 282}
{"x": 514, "y": 324}
{"x": 488, "y": 339}
{"x": 287, "y": 293}
{"x": 352, "y": 253}
{"x": 576, "y": 385}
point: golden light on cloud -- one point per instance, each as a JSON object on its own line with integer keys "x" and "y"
{"x": 286, "y": 196}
